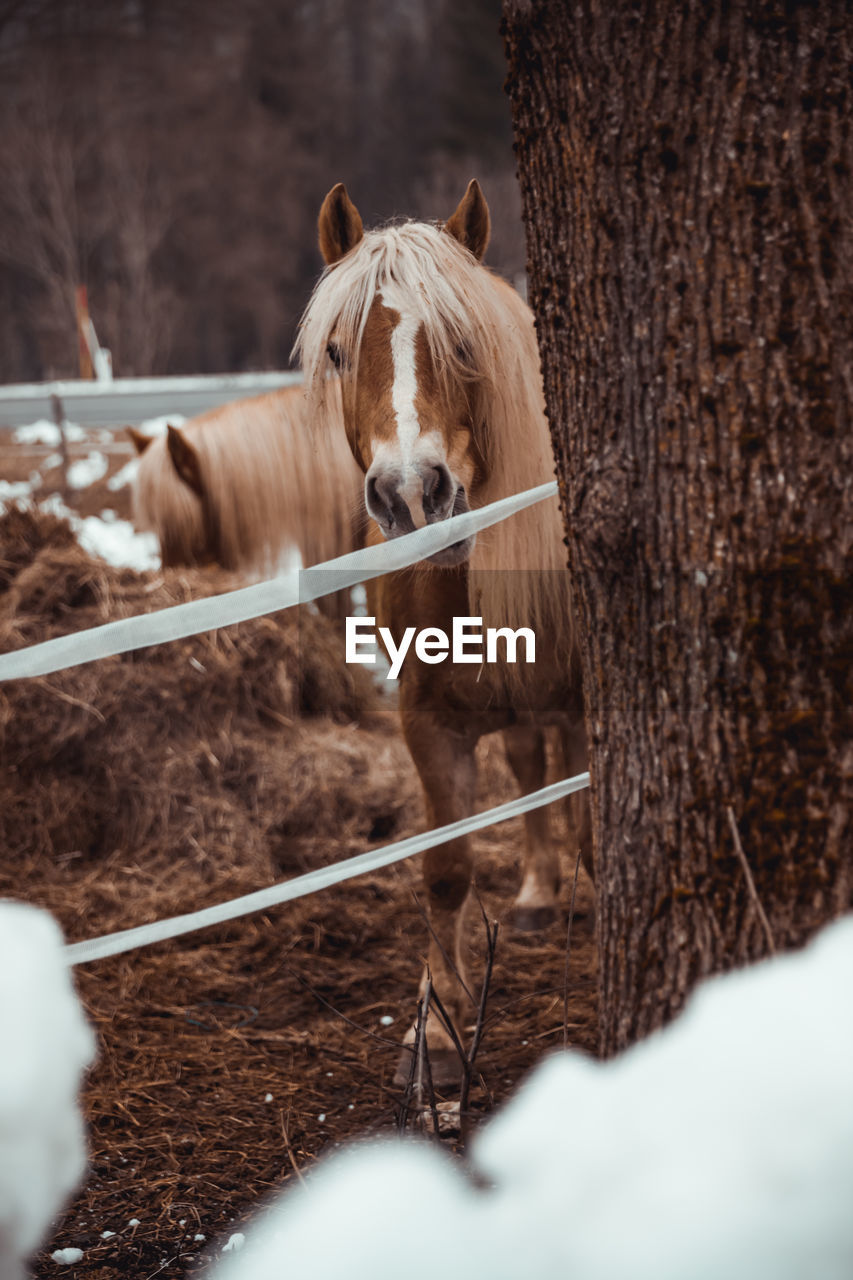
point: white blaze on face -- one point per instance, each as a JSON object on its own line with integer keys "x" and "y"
{"x": 405, "y": 387}
{"x": 409, "y": 446}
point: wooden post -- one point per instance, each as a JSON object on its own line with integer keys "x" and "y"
{"x": 59, "y": 419}
{"x": 82, "y": 312}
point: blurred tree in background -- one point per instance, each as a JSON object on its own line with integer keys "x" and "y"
{"x": 173, "y": 156}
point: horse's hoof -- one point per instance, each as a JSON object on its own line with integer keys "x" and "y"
{"x": 444, "y": 1064}
{"x": 533, "y": 919}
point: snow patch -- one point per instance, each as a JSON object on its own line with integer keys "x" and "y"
{"x": 86, "y": 471}
{"x": 46, "y": 1046}
{"x": 124, "y": 476}
{"x": 114, "y": 540}
{"x": 158, "y": 426}
{"x": 722, "y": 1146}
{"x": 14, "y": 491}
{"x": 45, "y": 432}
{"x": 67, "y": 1257}
{"x": 117, "y": 542}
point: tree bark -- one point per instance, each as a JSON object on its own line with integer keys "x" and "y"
{"x": 686, "y": 181}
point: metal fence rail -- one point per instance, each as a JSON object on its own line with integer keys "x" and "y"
{"x": 129, "y": 401}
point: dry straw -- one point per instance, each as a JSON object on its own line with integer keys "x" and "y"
{"x": 216, "y": 766}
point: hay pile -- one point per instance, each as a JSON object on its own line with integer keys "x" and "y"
{"x": 211, "y": 761}
{"x": 145, "y": 785}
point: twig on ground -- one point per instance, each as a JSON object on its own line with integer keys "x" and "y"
{"x": 72, "y": 702}
{"x": 468, "y": 1058}
{"x": 424, "y": 1069}
{"x": 765, "y": 923}
{"x": 413, "y": 1084}
{"x": 294, "y": 1166}
{"x": 371, "y": 1035}
{"x": 568, "y": 954}
{"x": 491, "y": 946}
{"x": 167, "y": 1263}
{"x": 405, "y": 1101}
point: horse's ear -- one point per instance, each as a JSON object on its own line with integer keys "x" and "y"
{"x": 139, "y": 440}
{"x": 470, "y": 224}
{"x": 185, "y": 459}
{"x": 339, "y": 225}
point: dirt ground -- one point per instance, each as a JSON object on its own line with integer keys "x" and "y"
{"x": 234, "y": 1058}
{"x": 19, "y": 462}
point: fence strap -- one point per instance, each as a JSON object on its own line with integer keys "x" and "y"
{"x": 144, "y": 935}
{"x": 298, "y": 587}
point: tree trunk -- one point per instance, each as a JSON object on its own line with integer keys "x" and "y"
{"x": 686, "y": 178}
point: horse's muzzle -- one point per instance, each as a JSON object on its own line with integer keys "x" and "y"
{"x": 431, "y": 491}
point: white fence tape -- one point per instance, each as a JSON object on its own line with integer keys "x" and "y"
{"x": 183, "y": 620}
{"x": 144, "y": 935}
{"x": 127, "y": 634}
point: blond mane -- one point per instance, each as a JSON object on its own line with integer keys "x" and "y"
{"x": 270, "y": 484}
{"x": 477, "y": 327}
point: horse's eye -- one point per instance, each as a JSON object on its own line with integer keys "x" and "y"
{"x": 464, "y": 354}
{"x": 335, "y": 355}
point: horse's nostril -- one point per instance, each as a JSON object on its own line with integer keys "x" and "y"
{"x": 380, "y": 497}
{"x": 438, "y": 487}
{"x": 395, "y": 501}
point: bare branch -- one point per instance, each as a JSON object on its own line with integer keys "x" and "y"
{"x": 568, "y": 954}
{"x": 765, "y": 923}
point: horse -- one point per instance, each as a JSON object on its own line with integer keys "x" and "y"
{"x": 242, "y": 484}
{"x": 433, "y": 360}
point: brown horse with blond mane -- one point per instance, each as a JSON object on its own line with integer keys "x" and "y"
{"x": 438, "y": 372}
{"x": 241, "y": 485}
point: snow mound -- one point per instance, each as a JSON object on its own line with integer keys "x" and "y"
{"x": 117, "y": 542}
{"x": 14, "y": 491}
{"x": 376, "y": 1211}
{"x": 124, "y": 476}
{"x": 45, "y": 432}
{"x": 67, "y": 1257}
{"x": 159, "y": 426}
{"x": 722, "y": 1146}
{"x": 113, "y": 540}
{"x": 87, "y": 471}
{"x": 46, "y": 1046}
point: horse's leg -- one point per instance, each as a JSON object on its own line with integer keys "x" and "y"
{"x": 535, "y": 906}
{"x": 446, "y": 764}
